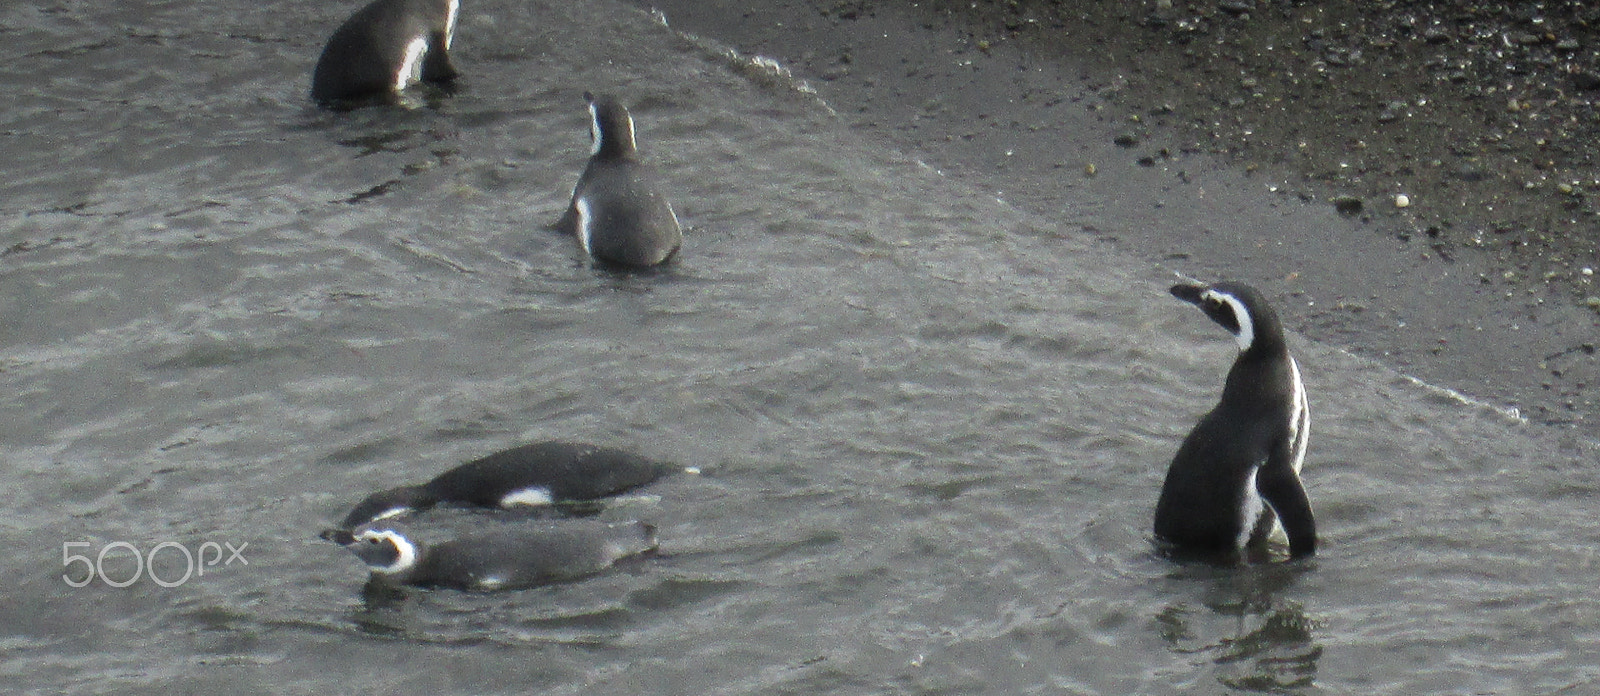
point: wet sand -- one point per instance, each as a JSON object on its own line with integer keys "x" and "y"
{"x": 1408, "y": 184}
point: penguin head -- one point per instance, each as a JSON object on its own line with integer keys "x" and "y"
{"x": 386, "y": 551}
{"x": 386, "y": 504}
{"x": 610, "y": 128}
{"x": 1238, "y": 308}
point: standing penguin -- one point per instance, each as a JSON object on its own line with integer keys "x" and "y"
{"x": 617, "y": 213}
{"x": 1236, "y": 478}
{"x": 384, "y": 48}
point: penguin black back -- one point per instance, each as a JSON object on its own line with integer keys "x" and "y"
{"x": 537, "y": 474}
{"x": 618, "y": 213}
{"x": 1236, "y": 478}
{"x": 385, "y": 47}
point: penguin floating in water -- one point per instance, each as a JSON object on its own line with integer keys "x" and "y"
{"x": 1235, "y": 481}
{"x": 617, "y": 212}
{"x": 511, "y": 558}
{"x": 543, "y": 473}
{"x": 384, "y": 48}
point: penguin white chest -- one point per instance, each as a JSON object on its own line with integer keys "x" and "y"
{"x": 1250, "y": 508}
{"x": 532, "y": 495}
{"x": 410, "y": 71}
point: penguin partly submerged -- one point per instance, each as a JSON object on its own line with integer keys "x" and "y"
{"x": 542, "y": 473}
{"x": 618, "y": 213}
{"x": 1235, "y": 481}
{"x": 384, "y": 48}
{"x": 512, "y": 557}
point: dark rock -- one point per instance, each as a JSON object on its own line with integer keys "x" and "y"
{"x": 1237, "y": 7}
{"x": 1346, "y": 205}
{"x": 1126, "y": 140}
{"x": 1586, "y": 80}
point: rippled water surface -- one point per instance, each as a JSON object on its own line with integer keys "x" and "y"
{"x": 932, "y": 427}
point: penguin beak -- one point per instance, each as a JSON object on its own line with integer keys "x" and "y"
{"x": 1188, "y": 292}
{"x": 342, "y": 537}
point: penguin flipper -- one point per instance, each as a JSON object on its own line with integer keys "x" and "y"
{"x": 568, "y": 224}
{"x": 1280, "y": 487}
{"x": 436, "y": 65}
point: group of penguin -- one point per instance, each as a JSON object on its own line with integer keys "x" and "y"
{"x": 566, "y": 476}
{"x": 1233, "y": 487}
{"x": 617, "y": 212}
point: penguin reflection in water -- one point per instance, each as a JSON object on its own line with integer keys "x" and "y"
{"x": 1235, "y": 481}
{"x": 384, "y": 48}
{"x": 617, "y": 212}
{"x": 515, "y": 557}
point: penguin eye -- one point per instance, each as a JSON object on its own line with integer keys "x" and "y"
{"x": 373, "y": 541}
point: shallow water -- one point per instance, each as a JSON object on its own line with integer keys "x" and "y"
{"x": 932, "y": 426}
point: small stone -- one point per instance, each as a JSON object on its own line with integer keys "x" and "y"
{"x": 1090, "y": 170}
{"x": 1236, "y": 7}
{"x": 1402, "y": 200}
{"x": 1126, "y": 140}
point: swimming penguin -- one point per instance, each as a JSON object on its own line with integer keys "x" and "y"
{"x": 510, "y": 558}
{"x": 1236, "y": 479}
{"x": 617, "y": 212}
{"x": 384, "y": 48}
{"x": 538, "y": 474}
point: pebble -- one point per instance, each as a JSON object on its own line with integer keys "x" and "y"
{"x": 1402, "y": 200}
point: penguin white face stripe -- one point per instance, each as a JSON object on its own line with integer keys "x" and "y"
{"x": 450, "y": 23}
{"x": 533, "y": 495}
{"x": 411, "y": 68}
{"x": 406, "y": 552}
{"x": 1247, "y": 330}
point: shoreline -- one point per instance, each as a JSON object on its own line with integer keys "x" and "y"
{"x": 1098, "y": 118}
